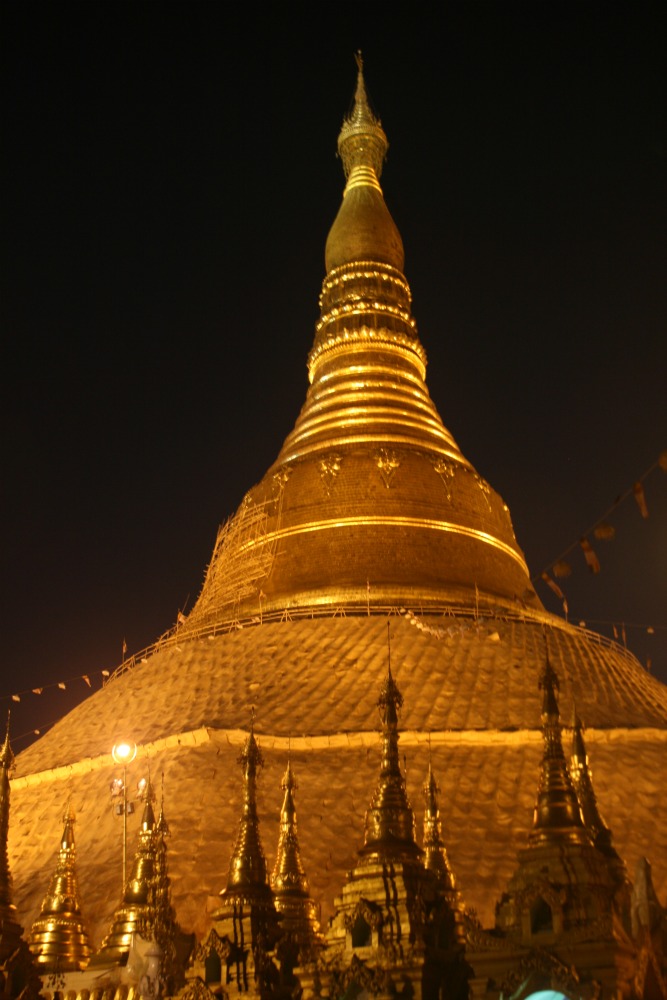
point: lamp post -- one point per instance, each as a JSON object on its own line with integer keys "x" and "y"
{"x": 124, "y": 753}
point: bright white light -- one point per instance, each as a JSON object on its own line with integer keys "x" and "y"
{"x": 124, "y": 752}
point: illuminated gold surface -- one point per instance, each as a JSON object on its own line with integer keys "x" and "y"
{"x": 386, "y": 522}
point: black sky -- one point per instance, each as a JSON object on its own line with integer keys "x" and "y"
{"x": 169, "y": 175}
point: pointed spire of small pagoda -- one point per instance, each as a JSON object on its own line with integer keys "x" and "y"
{"x": 583, "y": 785}
{"x": 247, "y": 865}
{"x": 134, "y": 913}
{"x": 390, "y": 822}
{"x": 557, "y": 814}
{"x": 160, "y": 920}
{"x": 435, "y": 853}
{"x": 59, "y": 939}
{"x": 288, "y": 872}
{"x": 289, "y": 883}
{"x": 247, "y": 915}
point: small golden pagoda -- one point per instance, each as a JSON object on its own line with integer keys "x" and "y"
{"x": 136, "y": 913}
{"x": 557, "y": 924}
{"x": 393, "y": 929}
{"x": 435, "y": 853}
{"x": 238, "y": 955}
{"x": 59, "y": 939}
{"x": 300, "y": 934}
{"x": 599, "y": 832}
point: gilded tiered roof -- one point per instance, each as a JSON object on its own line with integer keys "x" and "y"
{"x": 369, "y": 513}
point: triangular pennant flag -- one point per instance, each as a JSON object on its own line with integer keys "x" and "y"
{"x": 638, "y": 491}
{"x": 562, "y": 568}
{"x": 105, "y": 673}
{"x": 591, "y": 558}
{"x": 61, "y": 685}
{"x": 15, "y": 697}
{"x": 554, "y": 586}
{"x": 605, "y": 531}
{"x": 37, "y": 690}
{"x": 86, "y": 679}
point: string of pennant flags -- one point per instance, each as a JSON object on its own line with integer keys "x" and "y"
{"x": 63, "y": 685}
{"x": 20, "y": 696}
{"x": 602, "y": 530}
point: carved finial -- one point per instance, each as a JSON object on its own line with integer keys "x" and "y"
{"x": 390, "y": 821}
{"x": 288, "y": 873}
{"x": 557, "y": 814}
{"x": 362, "y": 144}
{"x": 247, "y": 865}
{"x": 162, "y": 826}
{"x": 148, "y": 817}
{"x": 582, "y": 780}
{"x": 435, "y": 855}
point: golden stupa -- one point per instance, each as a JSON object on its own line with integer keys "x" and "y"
{"x": 370, "y": 517}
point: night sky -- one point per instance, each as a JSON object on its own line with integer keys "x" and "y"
{"x": 169, "y": 176}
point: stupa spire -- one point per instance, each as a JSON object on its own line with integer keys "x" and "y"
{"x": 134, "y": 914}
{"x": 159, "y": 922}
{"x": 247, "y": 915}
{"x": 362, "y": 143}
{"x": 288, "y": 873}
{"x": 557, "y": 814}
{"x": 298, "y": 913}
{"x": 59, "y": 939}
{"x": 247, "y": 865}
{"x": 390, "y": 822}
{"x": 582, "y": 781}
{"x": 435, "y": 854}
